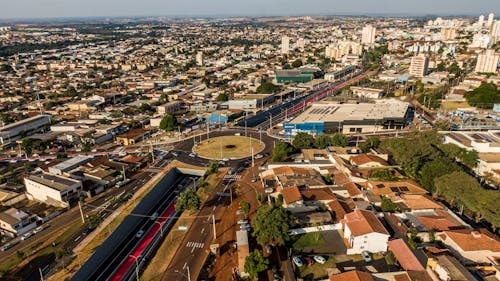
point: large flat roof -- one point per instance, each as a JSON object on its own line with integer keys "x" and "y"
{"x": 71, "y": 162}
{"x": 55, "y": 182}
{"x": 326, "y": 111}
{"x": 24, "y": 122}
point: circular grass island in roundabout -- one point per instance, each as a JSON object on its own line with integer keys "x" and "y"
{"x": 230, "y": 147}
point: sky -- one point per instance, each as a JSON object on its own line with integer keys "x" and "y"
{"x": 14, "y": 9}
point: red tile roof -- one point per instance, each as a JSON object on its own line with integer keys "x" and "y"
{"x": 352, "y": 276}
{"x": 404, "y": 255}
{"x": 362, "y": 222}
{"x": 317, "y": 194}
{"x": 363, "y": 159}
{"x": 473, "y": 240}
{"x": 291, "y": 194}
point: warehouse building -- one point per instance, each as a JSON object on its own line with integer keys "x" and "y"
{"x": 26, "y": 127}
{"x": 331, "y": 117}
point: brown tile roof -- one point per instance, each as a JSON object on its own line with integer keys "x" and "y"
{"x": 337, "y": 209}
{"x": 352, "y": 188}
{"x": 317, "y": 194}
{"x": 396, "y": 223}
{"x": 402, "y": 277}
{"x": 363, "y": 159}
{"x": 352, "y": 276}
{"x": 390, "y": 187}
{"x": 291, "y": 194}
{"x": 473, "y": 240}
{"x": 418, "y": 201}
{"x": 291, "y": 171}
{"x": 362, "y": 222}
{"x": 440, "y": 222}
{"x": 404, "y": 255}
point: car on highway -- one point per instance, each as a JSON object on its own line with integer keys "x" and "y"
{"x": 366, "y": 256}
{"x": 26, "y": 236}
{"x": 240, "y": 212}
{"x": 38, "y": 230}
{"x": 154, "y": 216}
{"x": 139, "y": 233}
{"x": 192, "y": 154}
{"x": 319, "y": 259}
{"x": 8, "y": 246}
{"x": 297, "y": 261}
{"x": 175, "y": 154}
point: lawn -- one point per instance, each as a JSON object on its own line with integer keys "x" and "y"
{"x": 453, "y": 105}
{"x": 310, "y": 239}
{"x": 228, "y": 147}
{"x": 316, "y": 270}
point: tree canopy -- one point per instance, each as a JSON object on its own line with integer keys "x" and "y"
{"x": 303, "y": 140}
{"x": 222, "y": 97}
{"x": 188, "y": 200}
{"x": 484, "y": 96}
{"x": 255, "y": 263}
{"x": 267, "y": 88}
{"x": 168, "y": 123}
{"x": 271, "y": 225}
{"x": 281, "y": 152}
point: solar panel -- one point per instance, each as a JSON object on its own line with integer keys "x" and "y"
{"x": 394, "y": 188}
{"x": 404, "y": 188}
{"x": 380, "y": 185}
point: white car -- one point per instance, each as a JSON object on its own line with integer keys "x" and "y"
{"x": 297, "y": 261}
{"x": 319, "y": 259}
{"x": 38, "y": 229}
{"x": 242, "y": 221}
{"x": 258, "y": 156}
{"x": 192, "y": 154}
{"x": 26, "y": 236}
{"x": 366, "y": 256}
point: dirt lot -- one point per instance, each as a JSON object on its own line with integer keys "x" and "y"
{"x": 228, "y": 147}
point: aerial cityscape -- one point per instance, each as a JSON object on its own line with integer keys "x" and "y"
{"x": 274, "y": 140}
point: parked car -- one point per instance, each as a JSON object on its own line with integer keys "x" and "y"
{"x": 192, "y": 154}
{"x": 319, "y": 259}
{"x": 175, "y": 154}
{"x": 240, "y": 212}
{"x": 242, "y": 221}
{"x": 254, "y": 179}
{"x": 8, "y": 246}
{"x": 258, "y": 156}
{"x": 297, "y": 261}
{"x": 366, "y": 256}
{"x": 269, "y": 190}
{"x": 308, "y": 261}
{"x": 139, "y": 233}
{"x": 26, "y": 236}
{"x": 38, "y": 229}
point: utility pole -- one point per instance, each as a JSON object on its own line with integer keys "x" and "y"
{"x": 213, "y": 221}
{"x": 41, "y": 274}
{"x": 253, "y": 161}
{"x": 189, "y": 274}
{"x": 81, "y": 211}
{"x": 208, "y": 131}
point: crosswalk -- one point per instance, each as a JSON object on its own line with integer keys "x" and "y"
{"x": 192, "y": 244}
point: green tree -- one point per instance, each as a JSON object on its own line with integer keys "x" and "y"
{"x": 168, "y": 123}
{"x": 339, "y": 139}
{"x": 271, "y": 225}
{"x": 388, "y": 206}
{"x": 382, "y": 175}
{"x": 267, "y": 88}
{"x": 213, "y": 167}
{"x": 434, "y": 169}
{"x": 297, "y": 63}
{"x": 255, "y": 263}
{"x": 188, "y": 200}
{"x": 303, "y": 140}
{"x": 485, "y": 96}
{"x": 245, "y": 206}
{"x": 27, "y": 145}
{"x": 222, "y": 97}
{"x": 281, "y": 152}
{"x": 322, "y": 141}
{"x": 94, "y": 220}
{"x": 371, "y": 142}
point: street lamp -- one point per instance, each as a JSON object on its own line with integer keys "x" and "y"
{"x": 136, "y": 265}
{"x": 188, "y": 273}
{"x": 161, "y": 226}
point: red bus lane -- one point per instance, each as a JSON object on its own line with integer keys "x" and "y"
{"x": 130, "y": 261}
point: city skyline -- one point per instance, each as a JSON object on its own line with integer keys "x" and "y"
{"x": 31, "y": 9}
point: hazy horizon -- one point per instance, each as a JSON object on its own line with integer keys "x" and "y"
{"x": 53, "y": 9}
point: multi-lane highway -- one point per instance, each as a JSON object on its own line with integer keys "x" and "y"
{"x": 133, "y": 231}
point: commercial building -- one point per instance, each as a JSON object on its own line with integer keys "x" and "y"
{"x": 70, "y": 164}
{"x": 14, "y": 222}
{"x": 330, "y": 117}
{"x": 51, "y": 189}
{"x": 368, "y": 35}
{"x": 419, "y": 65}
{"x": 26, "y": 127}
{"x": 169, "y": 107}
{"x": 285, "y": 44}
{"x": 300, "y": 75}
{"x": 482, "y": 142}
{"x": 487, "y": 62}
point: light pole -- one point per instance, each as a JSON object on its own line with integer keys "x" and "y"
{"x": 136, "y": 265}
{"x": 161, "y": 226}
{"x": 188, "y": 273}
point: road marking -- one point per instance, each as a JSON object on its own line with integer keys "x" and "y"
{"x": 192, "y": 250}
{"x": 214, "y": 208}
{"x": 76, "y": 239}
{"x": 184, "y": 267}
{"x": 203, "y": 230}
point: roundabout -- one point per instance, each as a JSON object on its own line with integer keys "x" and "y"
{"x": 228, "y": 147}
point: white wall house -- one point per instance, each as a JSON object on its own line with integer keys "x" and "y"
{"x": 14, "y": 222}
{"x": 471, "y": 246}
{"x": 51, "y": 189}
{"x": 364, "y": 232}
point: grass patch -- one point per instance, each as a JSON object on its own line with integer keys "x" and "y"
{"x": 228, "y": 147}
{"x": 310, "y": 239}
{"x": 453, "y": 105}
{"x": 317, "y": 270}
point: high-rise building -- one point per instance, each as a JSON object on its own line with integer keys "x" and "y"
{"x": 495, "y": 32}
{"x": 491, "y": 17}
{"x": 448, "y": 33}
{"x": 480, "y": 21}
{"x": 285, "y": 44}
{"x": 487, "y": 62}
{"x": 199, "y": 58}
{"x": 419, "y": 65}
{"x": 368, "y": 35}
{"x": 301, "y": 43}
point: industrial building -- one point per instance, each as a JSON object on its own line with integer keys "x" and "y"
{"x": 331, "y": 117}
{"x": 299, "y": 75}
{"x": 26, "y": 127}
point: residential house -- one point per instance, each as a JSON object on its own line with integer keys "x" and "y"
{"x": 14, "y": 222}
{"x": 443, "y": 266}
{"x": 364, "y": 232}
{"x": 472, "y": 246}
{"x": 352, "y": 276}
{"x": 404, "y": 255}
